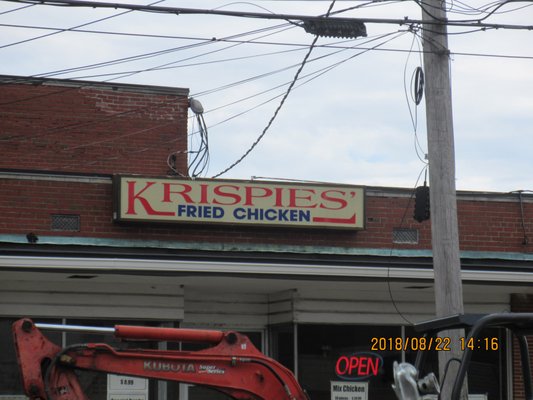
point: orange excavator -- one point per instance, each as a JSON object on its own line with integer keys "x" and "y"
{"x": 232, "y": 365}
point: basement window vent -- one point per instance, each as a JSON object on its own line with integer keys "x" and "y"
{"x": 405, "y": 236}
{"x": 65, "y": 222}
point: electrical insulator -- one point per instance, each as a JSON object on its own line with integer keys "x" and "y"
{"x": 421, "y": 204}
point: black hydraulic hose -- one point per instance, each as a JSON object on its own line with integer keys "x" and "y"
{"x": 53, "y": 364}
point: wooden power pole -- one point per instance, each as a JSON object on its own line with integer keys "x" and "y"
{"x": 443, "y": 203}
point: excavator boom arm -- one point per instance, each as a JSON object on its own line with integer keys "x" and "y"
{"x": 233, "y": 365}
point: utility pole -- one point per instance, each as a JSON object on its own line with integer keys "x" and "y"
{"x": 443, "y": 203}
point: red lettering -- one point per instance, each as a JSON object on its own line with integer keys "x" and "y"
{"x": 279, "y": 197}
{"x": 342, "y": 203}
{"x": 373, "y": 365}
{"x": 219, "y": 191}
{"x": 357, "y": 366}
{"x": 354, "y": 362}
{"x": 133, "y": 197}
{"x": 260, "y": 192}
{"x": 341, "y": 370}
{"x": 362, "y": 369}
{"x": 203, "y": 194}
{"x": 183, "y": 192}
{"x": 293, "y": 198}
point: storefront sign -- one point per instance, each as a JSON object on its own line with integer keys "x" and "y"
{"x": 121, "y": 387}
{"x": 349, "y": 390}
{"x": 358, "y": 366}
{"x": 238, "y": 202}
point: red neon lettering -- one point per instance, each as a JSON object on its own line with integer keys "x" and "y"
{"x": 219, "y": 191}
{"x": 363, "y": 366}
{"x": 293, "y": 198}
{"x": 373, "y": 364}
{"x": 354, "y": 362}
{"x": 133, "y": 197}
{"x": 262, "y": 192}
{"x": 342, "y": 203}
{"x": 338, "y": 370}
{"x": 357, "y": 366}
{"x": 183, "y": 192}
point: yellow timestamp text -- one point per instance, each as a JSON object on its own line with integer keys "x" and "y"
{"x": 432, "y": 343}
{"x": 486, "y": 343}
{"x": 410, "y": 343}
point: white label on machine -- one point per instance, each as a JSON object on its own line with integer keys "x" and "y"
{"x": 342, "y": 390}
{"x": 120, "y": 387}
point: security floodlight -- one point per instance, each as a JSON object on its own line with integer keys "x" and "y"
{"x": 196, "y": 106}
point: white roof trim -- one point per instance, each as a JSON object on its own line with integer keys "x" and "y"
{"x": 251, "y": 268}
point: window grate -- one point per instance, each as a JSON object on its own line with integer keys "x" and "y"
{"x": 63, "y": 222}
{"x": 405, "y": 236}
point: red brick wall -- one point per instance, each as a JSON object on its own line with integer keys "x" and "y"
{"x": 26, "y": 206}
{"x": 77, "y": 128}
{"x": 520, "y": 303}
{"x": 495, "y": 226}
{"x": 88, "y": 129}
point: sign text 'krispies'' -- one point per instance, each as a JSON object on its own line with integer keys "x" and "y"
{"x": 238, "y": 202}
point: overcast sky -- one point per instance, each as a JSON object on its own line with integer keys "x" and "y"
{"x": 353, "y": 123}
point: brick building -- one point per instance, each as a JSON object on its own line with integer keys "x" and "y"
{"x": 304, "y": 295}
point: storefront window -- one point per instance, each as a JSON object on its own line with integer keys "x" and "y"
{"x": 323, "y": 356}
{"x": 95, "y": 384}
{"x": 282, "y": 344}
{"x": 10, "y": 383}
{"x": 320, "y": 347}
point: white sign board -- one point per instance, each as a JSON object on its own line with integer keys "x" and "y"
{"x": 121, "y": 387}
{"x": 342, "y": 390}
{"x": 215, "y": 201}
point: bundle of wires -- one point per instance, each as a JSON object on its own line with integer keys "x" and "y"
{"x": 199, "y": 158}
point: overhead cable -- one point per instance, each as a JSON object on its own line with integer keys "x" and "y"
{"x": 289, "y": 89}
{"x": 312, "y": 76}
{"x": 243, "y": 14}
{"x": 17, "y": 9}
{"x": 69, "y": 29}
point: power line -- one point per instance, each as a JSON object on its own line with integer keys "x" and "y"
{"x": 266, "y": 74}
{"x": 17, "y": 9}
{"x": 291, "y": 86}
{"x": 416, "y": 97}
{"x": 458, "y": 7}
{"x": 69, "y": 29}
{"x": 244, "y": 14}
{"x": 101, "y": 120}
{"x": 312, "y": 76}
{"x": 264, "y": 43}
{"x": 285, "y": 96}
{"x": 142, "y": 56}
{"x": 204, "y": 41}
{"x": 282, "y": 29}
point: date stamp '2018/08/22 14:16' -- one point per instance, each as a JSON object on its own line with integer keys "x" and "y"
{"x": 432, "y": 343}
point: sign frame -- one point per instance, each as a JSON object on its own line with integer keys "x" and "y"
{"x": 125, "y": 387}
{"x": 332, "y": 195}
{"x": 349, "y": 390}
